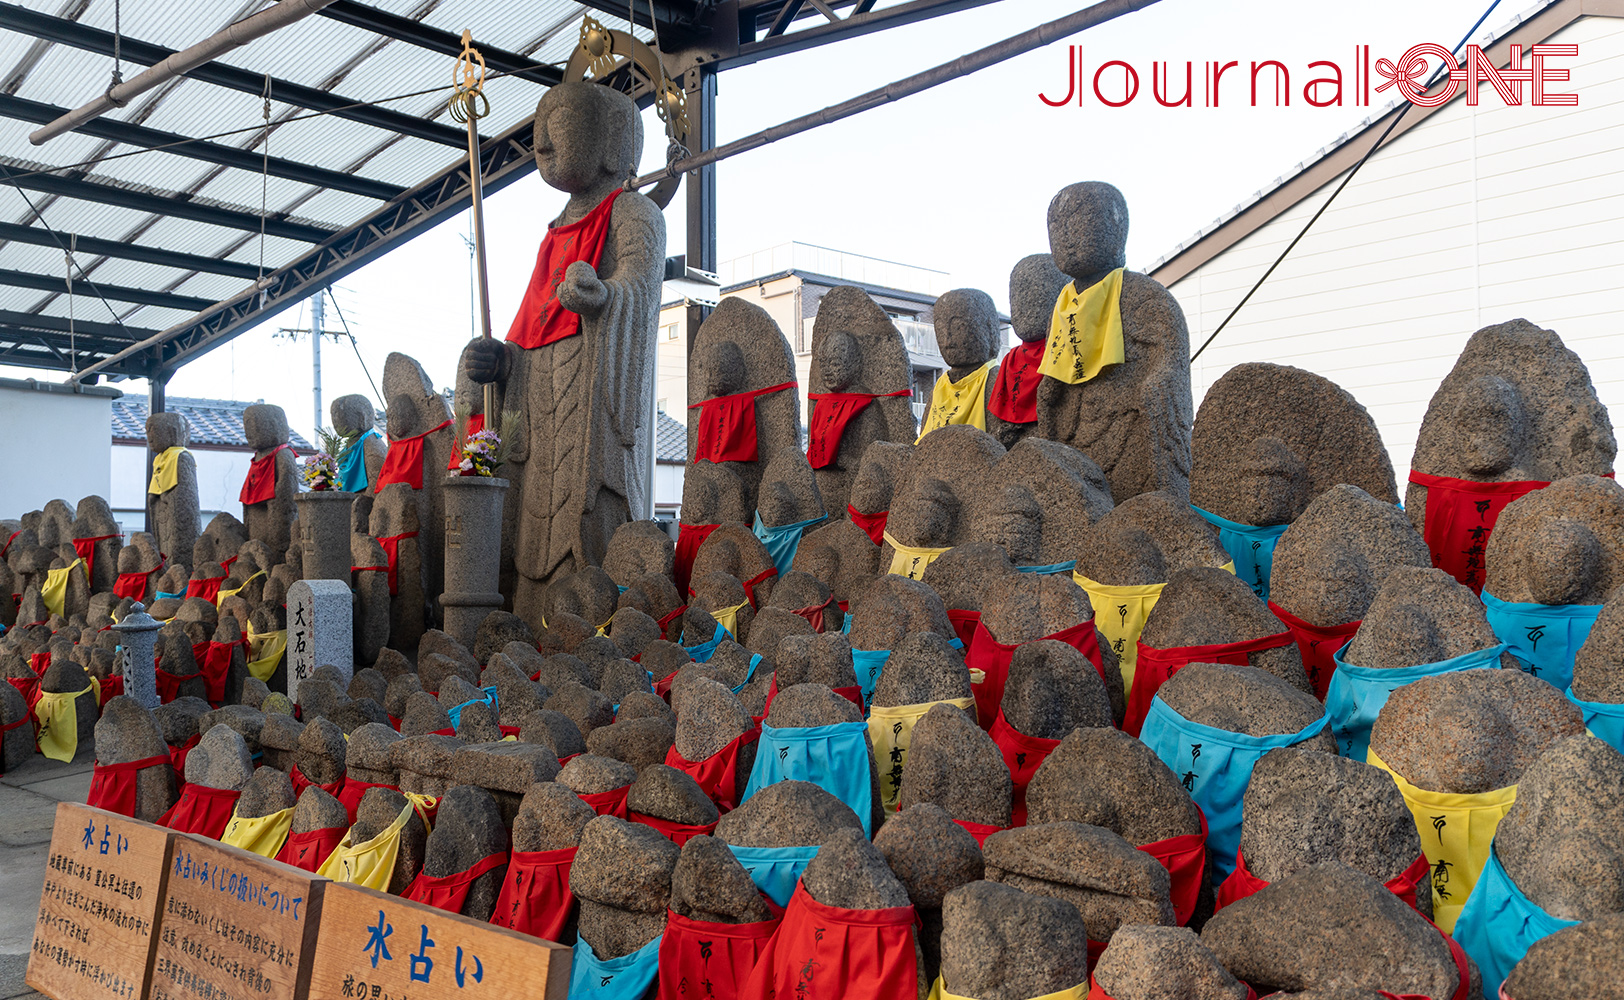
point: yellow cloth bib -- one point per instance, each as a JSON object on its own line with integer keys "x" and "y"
{"x": 59, "y": 721}
{"x": 1085, "y": 331}
{"x": 938, "y": 991}
{"x": 1457, "y": 833}
{"x": 1119, "y": 614}
{"x": 910, "y": 561}
{"x": 424, "y": 804}
{"x": 728, "y": 618}
{"x": 370, "y": 863}
{"x": 266, "y": 651}
{"x": 220, "y": 597}
{"x": 962, "y": 402}
{"x": 55, "y": 590}
{"x": 263, "y": 835}
{"x": 165, "y": 470}
{"x": 890, "y": 729}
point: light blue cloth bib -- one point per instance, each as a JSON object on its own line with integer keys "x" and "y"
{"x": 456, "y": 711}
{"x": 1544, "y": 636}
{"x": 1250, "y": 546}
{"x": 1605, "y": 721}
{"x": 1064, "y": 567}
{"x": 1499, "y": 924}
{"x": 352, "y": 465}
{"x": 775, "y": 870}
{"x": 845, "y": 626}
{"x": 1215, "y": 766}
{"x": 1357, "y": 694}
{"x": 835, "y": 758}
{"x": 869, "y": 664}
{"x": 750, "y": 674}
{"x": 783, "y": 542}
{"x": 705, "y": 650}
{"x": 624, "y": 978}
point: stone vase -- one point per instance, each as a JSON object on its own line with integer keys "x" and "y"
{"x": 324, "y": 533}
{"x": 473, "y": 553}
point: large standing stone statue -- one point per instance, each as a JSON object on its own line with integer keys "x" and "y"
{"x": 1012, "y": 403}
{"x": 268, "y": 491}
{"x": 578, "y": 359}
{"x": 1132, "y": 416}
{"x": 966, "y": 324}
{"x": 859, "y": 387}
{"x": 362, "y": 458}
{"x": 172, "y": 493}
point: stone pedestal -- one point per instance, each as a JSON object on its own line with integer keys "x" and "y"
{"x": 138, "y": 637}
{"x": 320, "y": 629}
{"x": 473, "y": 553}
{"x": 324, "y": 533}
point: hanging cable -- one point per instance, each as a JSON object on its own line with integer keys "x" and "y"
{"x": 40, "y": 216}
{"x": 73, "y": 348}
{"x": 1403, "y": 109}
{"x": 118, "y": 54}
{"x": 353, "y": 346}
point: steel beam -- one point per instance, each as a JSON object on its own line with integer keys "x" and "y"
{"x": 106, "y": 331}
{"x": 11, "y": 232}
{"x": 684, "y": 17}
{"x": 404, "y": 29}
{"x": 33, "y": 349}
{"x": 118, "y": 293}
{"x": 862, "y": 20}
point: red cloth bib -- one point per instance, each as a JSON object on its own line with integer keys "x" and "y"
{"x": 702, "y": 959}
{"x": 1460, "y": 517}
{"x": 677, "y": 833}
{"x": 727, "y": 426}
{"x": 216, "y": 664}
{"x": 542, "y": 319}
{"x": 980, "y": 831}
{"x": 28, "y": 687}
{"x": 665, "y": 622}
{"x": 39, "y": 663}
{"x": 992, "y": 658}
{"x": 1318, "y": 644}
{"x": 177, "y": 757}
{"x": 717, "y": 774}
{"x": 391, "y": 551}
{"x": 964, "y": 624}
{"x": 404, "y": 462}
{"x": 86, "y": 548}
{"x": 1156, "y": 666}
{"x": 260, "y": 483}
{"x": 9, "y": 539}
{"x": 351, "y": 792}
{"x": 1242, "y": 883}
{"x": 1014, "y": 396}
{"x": 450, "y": 892}
{"x": 201, "y": 810}
{"x": 1185, "y": 859}
{"x": 872, "y": 524}
{"x": 474, "y": 424}
{"x": 112, "y": 786}
{"x": 831, "y": 412}
{"x": 1022, "y": 755}
{"x": 826, "y": 952}
{"x": 816, "y": 615}
{"x": 535, "y": 897}
{"x": 111, "y": 688}
{"x": 689, "y": 538}
{"x": 207, "y": 588}
{"x": 131, "y": 585}
{"x": 610, "y": 803}
{"x": 300, "y": 783}
{"x": 755, "y": 581}
{"x": 169, "y": 685}
{"x": 309, "y": 849}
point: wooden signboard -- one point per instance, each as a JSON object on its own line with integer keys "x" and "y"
{"x": 234, "y": 926}
{"x": 381, "y": 947}
{"x": 104, "y": 877}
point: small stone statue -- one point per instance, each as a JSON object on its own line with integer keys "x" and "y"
{"x": 172, "y": 494}
{"x": 268, "y": 491}
{"x": 967, "y": 336}
{"x": 362, "y": 458}
{"x": 1012, "y": 402}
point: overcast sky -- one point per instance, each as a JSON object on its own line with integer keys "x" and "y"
{"x": 957, "y": 178}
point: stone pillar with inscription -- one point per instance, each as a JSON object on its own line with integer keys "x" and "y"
{"x": 320, "y": 629}
{"x": 324, "y": 533}
{"x": 138, "y": 639}
{"x": 473, "y": 550}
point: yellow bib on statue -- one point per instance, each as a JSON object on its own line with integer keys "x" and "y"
{"x": 425, "y": 806}
{"x": 938, "y": 991}
{"x": 370, "y": 863}
{"x": 911, "y": 560}
{"x": 264, "y": 835}
{"x": 1457, "y": 833}
{"x": 58, "y": 718}
{"x": 1085, "y": 331}
{"x": 220, "y": 597}
{"x": 266, "y": 650}
{"x": 165, "y": 470}
{"x": 728, "y": 618}
{"x": 1119, "y": 614}
{"x": 890, "y": 729}
{"x": 961, "y": 402}
{"x": 55, "y": 590}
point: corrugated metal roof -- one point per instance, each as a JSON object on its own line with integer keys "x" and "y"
{"x": 212, "y": 421}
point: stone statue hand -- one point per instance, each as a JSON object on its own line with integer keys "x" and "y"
{"x": 581, "y": 292}
{"x": 482, "y": 360}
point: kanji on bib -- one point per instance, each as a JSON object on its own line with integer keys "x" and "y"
{"x": 1457, "y": 834}
{"x": 262, "y": 835}
{"x": 1250, "y": 548}
{"x": 873, "y": 525}
{"x": 625, "y": 978}
{"x": 726, "y": 426}
{"x": 1318, "y": 645}
{"x": 712, "y": 960}
{"x": 783, "y": 541}
{"x": 868, "y": 664}
{"x": 1500, "y": 923}
{"x": 1357, "y": 694}
{"x": 1215, "y": 766}
{"x": 201, "y": 810}
{"x": 890, "y": 730}
{"x": 1242, "y": 883}
{"x": 1605, "y": 720}
{"x": 535, "y": 897}
{"x": 911, "y": 561}
{"x": 718, "y": 774}
{"x": 827, "y": 952}
{"x": 165, "y": 473}
{"x": 833, "y": 757}
{"x": 371, "y": 862}
{"x": 58, "y": 718}
{"x": 450, "y": 892}
{"x": 961, "y": 402}
{"x": 1119, "y": 614}
{"x": 404, "y": 461}
{"x": 1023, "y": 755}
{"x": 1014, "y": 396}
{"x": 1157, "y": 666}
{"x": 775, "y": 870}
{"x": 260, "y": 483}
{"x": 991, "y": 658}
{"x": 1460, "y": 517}
{"x": 112, "y": 786}
{"x": 831, "y": 412}
{"x": 1085, "y": 331}
{"x": 689, "y": 538}
{"x": 308, "y": 850}
{"x": 1544, "y": 636}
{"x": 542, "y": 319}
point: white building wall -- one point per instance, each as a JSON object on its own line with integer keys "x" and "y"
{"x": 220, "y": 475}
{"x": 1474, "y": 217}
{"x": 53, "y": 445}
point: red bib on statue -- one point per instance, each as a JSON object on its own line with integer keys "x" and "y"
{"x": 1317, "y": 644}
{"x": 542, "y": 319}
{"x": 201, "y": 810}
{"x": 535, "y": 897}
{"x": 112, "y": 786}
{"x": 718, "y": 775}
{"x": 450, "y": 892}
{"x": 1460, "y": 516}
{"x": 1014, "y": 396}
{"x": 1156, "y": 666}
{"x": 702, "y": 959}
{"x": 260, "y": 484}
{"x": 404, "y": 462}
{"x": 827, "y": 952}
{"x": 1022, "y": 755}
{"x": 992, "y": 657}
{"x": 131, "y": 585}
{"x": 727, "y": 426}
{"x": 309, "y": 849}
{"x": 831, "y": 412}
{"x": 300, "y": 783}
{"x": 689, "y": 538}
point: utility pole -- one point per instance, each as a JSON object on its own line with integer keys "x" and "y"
{"x": 317, "y": 325}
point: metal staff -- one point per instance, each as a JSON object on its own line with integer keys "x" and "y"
{"x": 468, "y": 104}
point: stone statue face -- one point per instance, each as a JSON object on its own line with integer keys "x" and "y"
{"x": 585, "y": 134}
{"x": 1034, "y": 285}
{"x": 167, "y": 430}
{"x": 840, "y": 359}
{"x": 1015, "y": 523}
{"x": 936, "y": 511}
{"x": 1492, "y": 425}
{"x": 724, "y": 369}
{"x": 265, "y": 426}
{"x": 351, "y": 414}
{"x": 1564, "y": 561}
{"x": 402, "y": 417}
{"x": 1088, "y": 229}
{"x": 966, "y": 327}
{"x": 1276, "y": 479}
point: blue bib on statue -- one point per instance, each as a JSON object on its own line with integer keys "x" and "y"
{"x": 1215, "y": 766}
{"x": 1499, "y": 924}
{"x": 624, "y": 978}
{"x": 1357, "y": 694}
{"x": 1065, "y": 567}
{"x": 775, "y": 870}
{"x": 1250, "y": 546}
{"x": 705, "y": 650}
{"x": 750, "y": 674}
{"x": 1544, "y": 636}
{"x": 845, "y": 626}
{"x": 868, "y": 665}
{"x": 782, "y": 542}
{"x": 352, "y": 465}
{"x": 1604, "y": 720}
{"x": 835, "y": 758}
{"x": 456, "y": 711}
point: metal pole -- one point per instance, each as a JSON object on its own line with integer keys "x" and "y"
{"x": 469, "y": 85}
{"x": 317, "y": 324}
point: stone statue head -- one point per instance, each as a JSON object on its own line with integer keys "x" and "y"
{"x": 841, "y": 360}
{"x": 1491, "y": 425}
{"x": 1564, "y": 561}
{"x": 1014, "y": 521}
{"x": 402, "y": 417}
{"x": 966, "y": 327}
{"x": 1277, "y": 481}
{"x": 351, "y": 414}
{"x": 935, "y": 509}
{"x": 167, "y": 430}
{"x": 724, "y": 368}
{"x": 1088, "y": 229}
{"x": 1034, "y": 285}
{"x": 586, "y": 134}
{"x": 265, "y": 426}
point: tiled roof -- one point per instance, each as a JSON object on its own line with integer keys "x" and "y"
{"x": 212, "y": 421}
{"x": 671, "y": 441}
